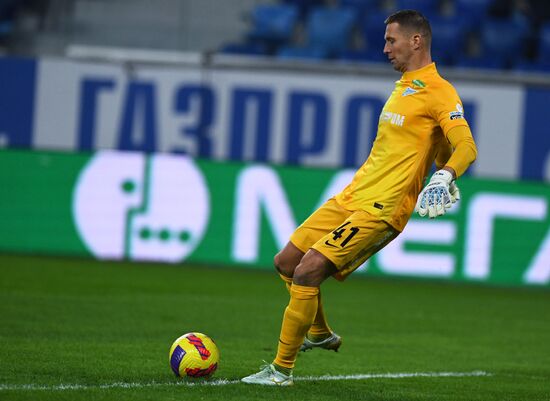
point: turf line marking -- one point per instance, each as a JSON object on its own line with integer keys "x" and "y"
{"x": 225, "y": 382}
{"x": 392, "y": 376}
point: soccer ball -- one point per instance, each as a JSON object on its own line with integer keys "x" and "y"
{"x": 194, "y": 355}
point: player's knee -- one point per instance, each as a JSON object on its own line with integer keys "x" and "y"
{"x": 307, "y": 274}
{"x": 282, "y": 265}
{"x": 313, "y": 270}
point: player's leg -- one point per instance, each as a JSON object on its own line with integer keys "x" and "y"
{"x": 320, "y": 335}
{"x": 316, "y": 226}
{"x": 285, "y": 262}
{"x": 338, "y": 253}
{"x": 353, "y": 242}
{"x": 300, "y": 313}
{"x": 302, "y": 309}
{"x": 298, "y": 317}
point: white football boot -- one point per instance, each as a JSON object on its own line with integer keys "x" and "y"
{"x": 331, "y": 343}
{"x": 269, "y": 376}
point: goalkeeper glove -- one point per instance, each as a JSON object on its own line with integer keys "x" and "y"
{"x": 454, "y": 191}
{"x": 436, "y": 197}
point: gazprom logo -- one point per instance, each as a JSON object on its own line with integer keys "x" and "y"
{"x": 392, "y": 118}
{"x": 135, "y": 206}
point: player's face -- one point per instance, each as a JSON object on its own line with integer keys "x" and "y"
{"x": 398, "y": 47}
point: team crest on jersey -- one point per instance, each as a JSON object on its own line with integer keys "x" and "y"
{"x": 458, "y": 113}
{"x": 409, "y": 91}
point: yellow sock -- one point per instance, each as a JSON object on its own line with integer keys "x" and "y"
{"x": 319, "y": 329}
{"x": 287, "y": 280}
{"x": 297, "y": 320}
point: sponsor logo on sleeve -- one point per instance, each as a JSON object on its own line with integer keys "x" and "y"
{"x": 458, "y": 113}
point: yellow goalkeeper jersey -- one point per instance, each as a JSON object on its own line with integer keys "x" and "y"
{"x": 419, "y": 113}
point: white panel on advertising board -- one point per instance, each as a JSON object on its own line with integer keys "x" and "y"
{"x": 497, "y": 129}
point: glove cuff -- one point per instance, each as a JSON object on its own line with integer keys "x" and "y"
{"x": 442, "y": 175}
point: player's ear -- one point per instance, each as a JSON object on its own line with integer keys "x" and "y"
{"x": 415, "y": 41}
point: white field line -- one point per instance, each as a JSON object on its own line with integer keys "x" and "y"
{"x": 225, "y": 382}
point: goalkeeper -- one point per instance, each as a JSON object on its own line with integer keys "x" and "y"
{"x": 422, "y": 122}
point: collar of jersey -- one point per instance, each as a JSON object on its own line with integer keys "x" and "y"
{"x": 423, "y": 72}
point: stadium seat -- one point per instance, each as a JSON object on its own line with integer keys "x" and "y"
{"x": 6, "y": 28}
{"x": 304, "y": 6}
{"x": 427, "y": 7}
{"x": 328, "y": 33}
{"x": 373, "y": 29}
{"x": 544, "y": 44}
{"x": 442, "y": 57}
{"x": 273, "y": 22}
{"x": 482, "y": 62}
{"x": 523, "y": 66}
{"x": 7, "y": 15}
{"x": 503, "y": 39}
{"x": 448, "y": 39}
{"x": 330, "y": 28}
{"x": 370, "y": 55}
{"x": 363, "y": 7}
{"x": 476, "y": 10}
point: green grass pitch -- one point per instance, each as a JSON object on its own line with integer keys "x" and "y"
{"x": 76, "y": 329}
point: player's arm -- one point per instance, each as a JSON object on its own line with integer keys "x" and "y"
{"x": 441, "y": 192}
{"x": 462, "y": 139}
{"x": 451, "y": 161}
{"x": 464, "y": 153}
{"x": 445, "y": 107}
{"x": 444, "y": 152}
{"x": 442, "y": 156}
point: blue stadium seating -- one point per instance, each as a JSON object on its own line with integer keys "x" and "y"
{"x": 503, "y": 39}
{"x": 330, "y": 28}
{"x": 481, "y": 62}
{"x": 369, "y": 55}
{"x": 373, "y": 29}
{"x": 273, "y": 22}
{"x": 449, "y": 37}
{"x": 304, "y": 6}
{"x": 7, "y": 12}
{"x": 363, "y": 7}
{"x": 328, "y": 34}
{"x": 544, "y": 45}
{"x": 6, "y": 27}
{"x": 426, "y": 7}
{"x": 475, "y": 10}
{"x": 523, "y": 66}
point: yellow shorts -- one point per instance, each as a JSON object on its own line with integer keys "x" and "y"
{"x": 344, "y": 237}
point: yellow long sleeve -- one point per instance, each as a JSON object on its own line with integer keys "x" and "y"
{"x": 465, "y": 150}
{"x": 444, "y": 152}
